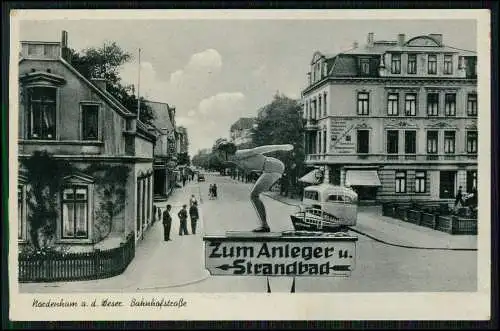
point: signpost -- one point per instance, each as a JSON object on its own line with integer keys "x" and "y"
{"x": 288, "y": 254}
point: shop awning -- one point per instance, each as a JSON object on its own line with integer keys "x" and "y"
{"x": 312, "y": 177}
{"x": 362, "y": 178}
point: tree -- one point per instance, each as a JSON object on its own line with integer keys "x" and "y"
{"x": 45, "y": 176}
{"x": 105, "y": 62}
{"x": 282, "y": 124}
{"x": 183, "y": 159}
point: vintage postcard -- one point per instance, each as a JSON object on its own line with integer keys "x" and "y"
{"x": 249, "y": 165}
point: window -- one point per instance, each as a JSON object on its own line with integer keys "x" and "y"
{"x": 449, "y": 142}
{"x": 324, "y": 104}
{"x": 420, "y": 182}
{"x": 472, "y": 142}
{"x": 432, "y": 64}
{"x": 392, "y": 141}
{"x": 432, "y": 104}
{"x": 392, "y": 104}
{"x": 472, "y": 104}
{"x": 448, "y": 65}
{"x": 450, "y": 104}
{"x": 400, "y": 181}
{"x": 410, "y": 142}
{"x": 363, "y": 141}
{"x": 90, "y": 126}
{"x": 74, "y": 212}
{"x": 21, "y": 213}
{"x": 324, "y": 141}
{"x": 396, "y": 63}
{"x": 432, "y": 142}
{"x": 412, "y": 63}
{"x": 42, "y": 112}
{"x": 411, "y": 104}
{"x": 365, "y": 66}
{"x": 312, "y": 195}
{"x": 363, "y": 101}
{"x": 319, "y": 105}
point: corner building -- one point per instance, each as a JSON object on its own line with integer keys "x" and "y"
{"x": 394, "y": 120}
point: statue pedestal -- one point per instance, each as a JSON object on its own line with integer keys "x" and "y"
{"x": 281, "y": 257}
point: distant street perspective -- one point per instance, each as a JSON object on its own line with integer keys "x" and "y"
{"x": 178, "y": 266}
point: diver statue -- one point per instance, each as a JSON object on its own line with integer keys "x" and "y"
{"x": 272, "y": 169}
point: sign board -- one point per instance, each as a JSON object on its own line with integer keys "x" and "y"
{"x": 255, "y": 254}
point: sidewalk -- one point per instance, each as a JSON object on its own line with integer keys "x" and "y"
{"x": 394, "y": 231}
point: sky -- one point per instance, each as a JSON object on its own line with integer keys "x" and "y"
{"x": 216, "y": 71}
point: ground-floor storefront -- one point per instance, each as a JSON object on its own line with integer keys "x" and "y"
{"x": 391, "y": 182}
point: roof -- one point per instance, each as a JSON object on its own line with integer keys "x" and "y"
{"x": 162, "y": 112}
{"x": 329, "y": 188}
{"x": 243, "y": 123}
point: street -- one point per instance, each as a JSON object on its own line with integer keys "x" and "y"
{"x": 178, "y": 265}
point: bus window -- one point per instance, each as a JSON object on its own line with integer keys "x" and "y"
{"x": 311, "y": 195}
{"x": 335, "y": 198}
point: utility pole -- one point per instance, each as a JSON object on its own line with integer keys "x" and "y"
{"x": 138, "y": 88}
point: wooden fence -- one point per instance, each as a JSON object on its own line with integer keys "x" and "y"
{"x": 77, "y": 266}
{"x": 446, "y": 223}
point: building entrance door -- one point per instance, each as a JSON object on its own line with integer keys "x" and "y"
{"x": 447, "y": 181}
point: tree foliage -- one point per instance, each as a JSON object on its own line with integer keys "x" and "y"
{"x": 45, "y": 178}
{"x": 105, "y": 62}
{"x": 183, "y": 159}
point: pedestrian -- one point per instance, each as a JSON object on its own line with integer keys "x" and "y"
{"x": 155, "y": 213}
{"x": 458, "y": 197}
{"x": 193, "y": 213}
{"x": 193, "y": 200}
{"x": 183, "y": 180}
{"x": 214, "y": 191}
{"x": 211, "y": 191}
{"x": 183, "y": 221}
{"x": 167, "y": 223}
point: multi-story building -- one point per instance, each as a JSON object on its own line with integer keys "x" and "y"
{"x": 165, "y": 153}
{"x": 106, "y": 195}
{"x": 395, "y": 120}
{"x": 240, "y": 133}
{"x": 182, "y": 140}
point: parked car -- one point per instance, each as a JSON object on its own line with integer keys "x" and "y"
{"x": 201, "y": 177}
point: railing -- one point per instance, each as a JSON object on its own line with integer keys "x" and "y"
{"x": 390, "y": 157}
{"x": 438, "y": 219}
{"x": 77, "y": 266}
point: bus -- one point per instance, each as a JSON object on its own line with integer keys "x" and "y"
{"x": 326, "y": 208}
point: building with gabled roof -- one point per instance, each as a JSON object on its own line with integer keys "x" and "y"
{"x": 76, "y": 120}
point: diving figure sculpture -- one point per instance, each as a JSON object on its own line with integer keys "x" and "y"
{"x": 272, "y": 169}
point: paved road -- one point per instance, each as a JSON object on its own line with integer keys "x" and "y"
{"x": 177, "y": 266}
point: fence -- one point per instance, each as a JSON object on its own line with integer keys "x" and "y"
{"x": 434, "y": 220}
{"x": 77, "y": 266}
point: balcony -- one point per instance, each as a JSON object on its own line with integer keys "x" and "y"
{"x": 311, "y": 125}
{"x": 384, "y": 158}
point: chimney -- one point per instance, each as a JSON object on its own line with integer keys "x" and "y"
{"x": 64, "y": 45}
{"x": 438, "y": 37}
{"x": 401, "y": 39}
{"x": 355, "y": 44}
{"x": 100, "y": 83}
{"x": 369, "y": 41}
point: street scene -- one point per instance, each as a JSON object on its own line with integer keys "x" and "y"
{"x": 162, "y": 157}
{"x": 178, "y": 266}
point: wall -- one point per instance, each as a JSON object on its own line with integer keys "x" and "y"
{"x": 69, "y": 119}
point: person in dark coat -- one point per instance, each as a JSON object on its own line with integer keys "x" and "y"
{"x": 193, "y": 213}
{"x": 214, "y": 191}
{"x": 167, "y": 223}
{"x": 458, "y": 197}
{"x": 183, "y": 221}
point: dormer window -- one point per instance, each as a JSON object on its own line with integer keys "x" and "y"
{"x": 365, "y": 66}
{"x": 42, "y": 112}
{"x": 396, "y": 64}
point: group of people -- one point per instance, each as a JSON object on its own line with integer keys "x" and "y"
{"x": 183, "y": 218}
{"x": 468, "y": 200}
{"x": 212, "y": 191}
